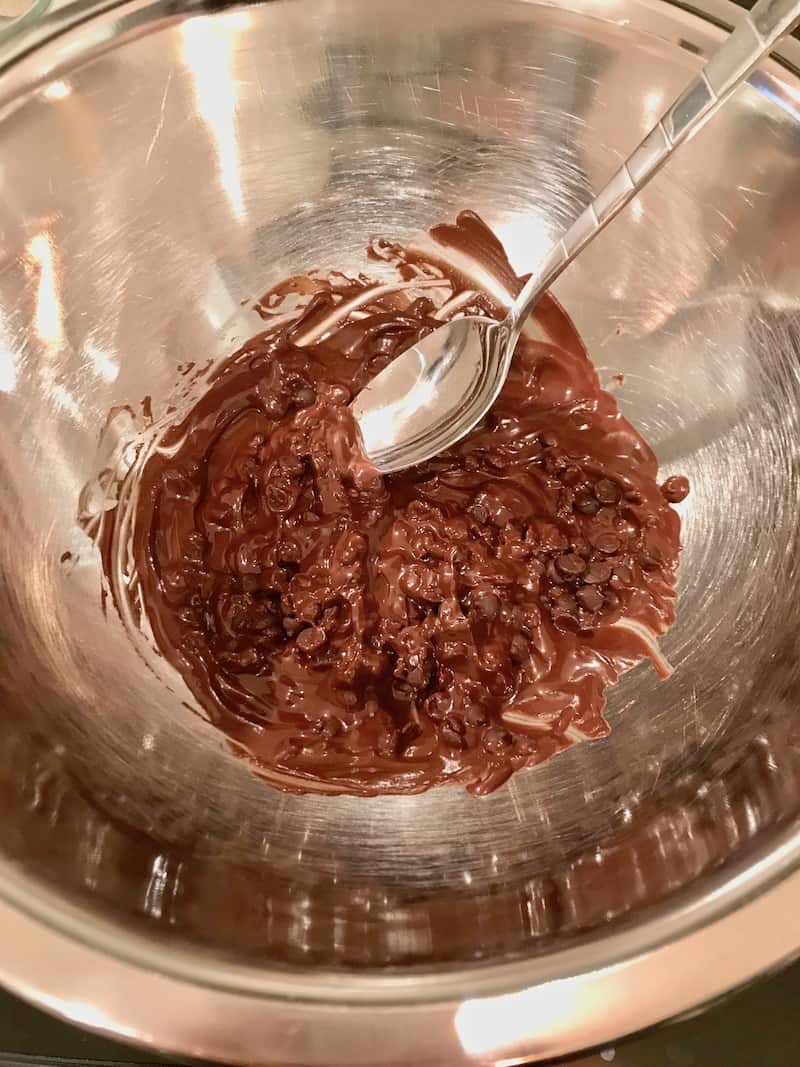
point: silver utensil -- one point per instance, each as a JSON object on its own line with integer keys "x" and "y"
{"x": 439, "y": 389}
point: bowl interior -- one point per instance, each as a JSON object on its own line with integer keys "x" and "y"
{"x": 158, "y": 171}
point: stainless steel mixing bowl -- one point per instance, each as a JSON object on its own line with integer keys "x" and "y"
{"x": 159, "y": 162}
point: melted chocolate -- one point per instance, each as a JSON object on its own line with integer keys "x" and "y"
{"x": 458, "y": 621}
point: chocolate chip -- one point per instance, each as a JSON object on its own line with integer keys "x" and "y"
{"x": 566, "y": 604}
{"x": 418, "y": 677}
{"x": 675, "y": 489}
{"x": 479, "y": 513}
{"x": 548, "y": 440}
{"x": 623, "y": 575}
{"x": 554, "y": 464}
{"x": 311, "y": 639}
{"x": 496, "y": 739}
{"x": 606, "y": 543}
{"x": 485, "y": 603}
{"x": 589, "y": 598}
{"x": 408, "y": 735}
{"x": 553, "y": 573}
{"x": 519, "y": 650}
{"x": 438, "y": 705}
{"x": 411, "y": 581}
{"x": 475, "y": 715}
{"x": 567, "y": 622}
{"x": 454, "y": 723}
{"x": 586, "y": 503}
{"x": 275, "y": 405}
{"x": 291, "y": 465}
{"x": 388, "y": 744}
{"x": 570, "y": 564}
{"x": 289, "y": 552}
{"x": 402, "y": 691}
{"x": 292, "y": 625}
{"x": 598, "y": 572}
{"x": 304, "y": 396}
{"x": 329, "y": 727}
{"x": 512, "y": 615}
{"x": 572, "y": 476}
{"x": 607, "y": 492}
{"x": 451, "y": 738}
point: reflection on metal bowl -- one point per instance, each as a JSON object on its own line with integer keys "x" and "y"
{"x": 159, "y": 165}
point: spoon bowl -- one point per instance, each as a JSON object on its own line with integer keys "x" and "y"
{"x": 435, "y": 393}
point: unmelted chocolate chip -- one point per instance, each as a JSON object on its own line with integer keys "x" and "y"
{"x": 402, "y": 691}
{"x": 451, "y": 738}
{"x": 496, "y": 739}
{"x": 479, "y": 513}
{"x": 607, "y": 492}
{"x": 590, "y": 598}
{"x": 275, "y": 405}
{"x": 304, "y": 396}
{"x": 388, "y": 744}
{"x": 475, "y": 716}
{"x": 486, "y": 604}
{"x": 438, "y": 705}
{"x": 598, "y": 572}
{"x": 606, "y": 543}
{"x": 675, "y": 489}
{"x": 311, "y": 639}
{"x": 454, "y": 723}
{"x": 586, "y": 503}
{"x": 623, "y": 575}
{"x": 572, "y": 476}
{"x": 289, "y": 552}
{"x": 418, "y": 677}
{"x": 520, "y": 649}
{"x": 566, "y": 604}
{"x": 553, "y": 573}
{"x": 570, "y": 564}
{"x": 330, "y": 727}
{"x": 408, "y": 735}
{"x": 291, "y": 465}
{"x": 554, "y": 463}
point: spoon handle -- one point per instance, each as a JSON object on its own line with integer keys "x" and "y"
{"x": 752, "y": 40}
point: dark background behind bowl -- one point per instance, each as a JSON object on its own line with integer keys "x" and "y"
{"x": 754, "y": 1028}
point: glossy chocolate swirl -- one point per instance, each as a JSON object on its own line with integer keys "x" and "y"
{"x": 458, "y": 621}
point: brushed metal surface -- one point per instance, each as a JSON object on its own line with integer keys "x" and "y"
{"x": 155, "y": 170}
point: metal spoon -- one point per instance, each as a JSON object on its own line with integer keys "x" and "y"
{"x": 435, "y": 392}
